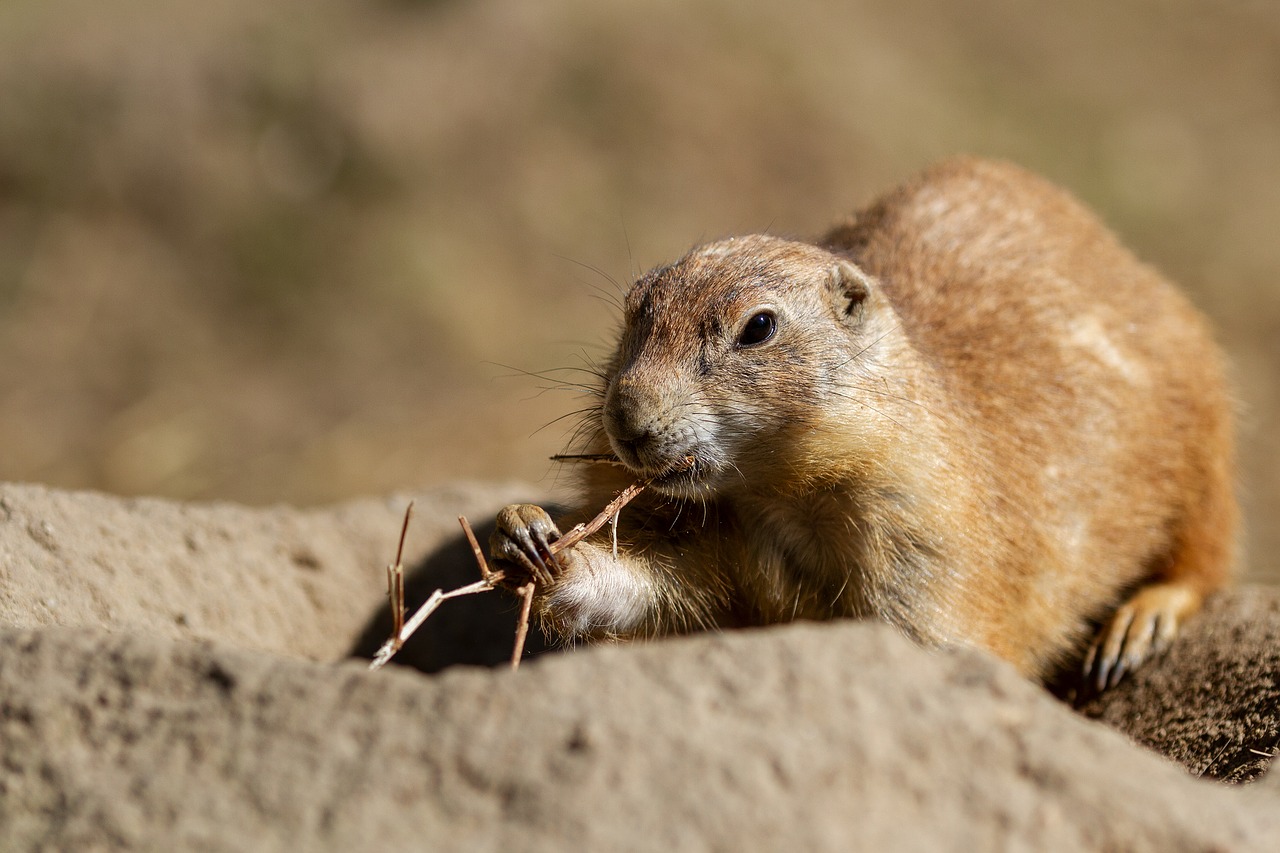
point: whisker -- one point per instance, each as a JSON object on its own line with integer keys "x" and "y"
{"x": 607, "y": 299}
{"x": 565, "y": 416}
{"x": 585, "y": 433}
{"x": 679, "y": 505}
{"x": 618, "y": 287}
{"x": 626, "y": 238}
{"x": 860, "y": 352}
{"x": 587, "y": 370}
{"x": 557, "y": 384}
{"x": 895, "y": 421}
{"x": 901, "y": 398}
{"x": 839, "y": 594}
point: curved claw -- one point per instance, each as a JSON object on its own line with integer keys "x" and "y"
{"x": 543, "y": 539}
{"x": 530, "y": 554}
{"x": 523, "y": 536}
{"x": 1143, "y": 626}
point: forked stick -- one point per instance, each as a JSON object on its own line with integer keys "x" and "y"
{"x": 522, "y": 624}
{"x": 485, "y": 571}
{"x": 582, "y": 531}
{"x": 489, "y": 579}
{"x": 395, "y": 577}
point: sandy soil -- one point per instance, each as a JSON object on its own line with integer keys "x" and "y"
{"x": 178, "y": 676}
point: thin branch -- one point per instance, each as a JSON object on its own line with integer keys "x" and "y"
{"x": 522, "y": 624}
{"x": 489, "y": 580}
{"x": 404, "y": 531}
{"x": 395, "y": 591}
{"x": 479, "y": 553}
{"x": 395, "y": 577}
{"x": 582, "y": 531}
{"x": 597, "y": 458}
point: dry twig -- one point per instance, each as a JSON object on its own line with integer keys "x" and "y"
{"x": 395, "y": 577}
{"x": 522, "y": 624}
{"x": 489, "y": 579}
{"x": 582, "y": 531}
{"x": 598, "y": 458}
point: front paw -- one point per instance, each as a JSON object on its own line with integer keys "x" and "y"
{"x": 521, "y": 542}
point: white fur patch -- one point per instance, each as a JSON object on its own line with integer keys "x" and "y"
{"x": 603, "y": 594}
{"x": 718, "y": 250}
{"x": 1089, "y": 335}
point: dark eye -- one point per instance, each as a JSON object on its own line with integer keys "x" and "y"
{"x": 758, "y": 329}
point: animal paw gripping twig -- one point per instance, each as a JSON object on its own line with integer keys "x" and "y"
{"x": 402, "y": 630}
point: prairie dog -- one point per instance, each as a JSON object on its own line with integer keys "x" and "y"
{"x": 967, "y": 411}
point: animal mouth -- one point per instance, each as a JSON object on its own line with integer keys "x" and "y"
{"x": 679, "y": 476}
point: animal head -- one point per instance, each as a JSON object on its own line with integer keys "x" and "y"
{"x": 731, "y": 347}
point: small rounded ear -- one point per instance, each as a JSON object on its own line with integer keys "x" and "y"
{"x": 850, "y": 288}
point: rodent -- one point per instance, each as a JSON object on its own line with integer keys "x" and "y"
{"x": 967, "y": 411}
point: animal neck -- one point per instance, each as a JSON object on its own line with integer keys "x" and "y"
{"x": 868, "y": 535}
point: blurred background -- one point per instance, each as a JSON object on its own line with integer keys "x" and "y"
{"x": 301, "y": 251}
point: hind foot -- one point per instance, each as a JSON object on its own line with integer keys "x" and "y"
{"x": 1144, "y": 625}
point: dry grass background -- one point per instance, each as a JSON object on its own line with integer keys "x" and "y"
{"x": 279, "y": 251}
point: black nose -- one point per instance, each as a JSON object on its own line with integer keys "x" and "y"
{"x": 629, "y": 437}
{"x": 633, "y": 446}
{"x": 628, "y": 429}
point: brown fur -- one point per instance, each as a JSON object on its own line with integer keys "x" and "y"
{"x": 980, "y": 418}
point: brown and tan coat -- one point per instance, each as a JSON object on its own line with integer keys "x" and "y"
{"x": 968, "y": 411}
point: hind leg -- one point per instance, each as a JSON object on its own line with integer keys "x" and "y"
{"x": 1204, "y": 560}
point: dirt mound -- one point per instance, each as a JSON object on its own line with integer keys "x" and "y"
{"x": 241, "y": 727}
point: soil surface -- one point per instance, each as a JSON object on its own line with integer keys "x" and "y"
{"x": 181, "y": 676}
